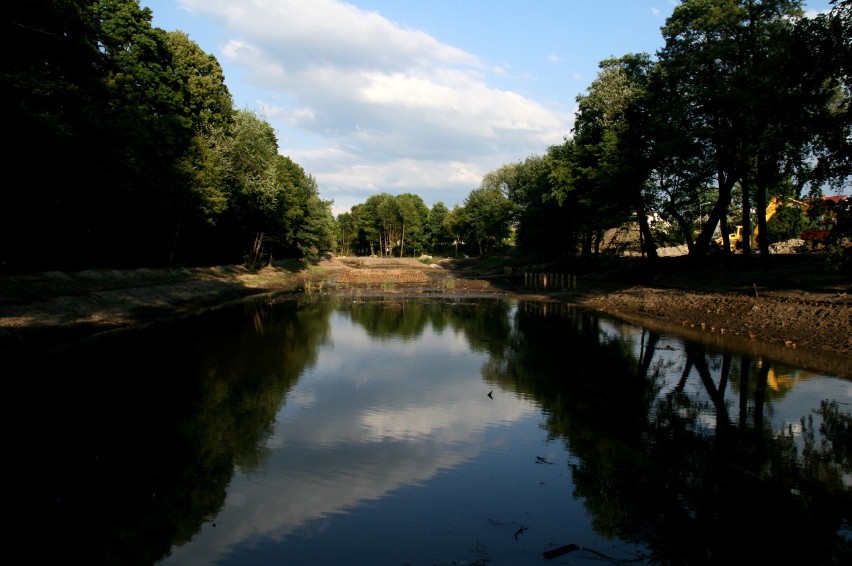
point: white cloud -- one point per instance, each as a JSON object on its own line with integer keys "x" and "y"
{"x": 398, "y": 108}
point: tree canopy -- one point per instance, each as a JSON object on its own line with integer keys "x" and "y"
{"x": 126, "y": 149}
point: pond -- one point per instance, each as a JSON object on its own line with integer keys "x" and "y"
{"x": 326, "y": 429}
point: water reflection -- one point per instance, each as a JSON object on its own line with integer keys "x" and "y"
{"x": 346, "y": 430}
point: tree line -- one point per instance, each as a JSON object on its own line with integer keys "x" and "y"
{"x": 124, "y": 148}
{"x": 747, "y": 101}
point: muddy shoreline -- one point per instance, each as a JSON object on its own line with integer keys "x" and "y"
{"x": 804, "y": 321}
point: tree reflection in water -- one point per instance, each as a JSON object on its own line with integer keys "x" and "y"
{"x": 683, "y": 465}
{"x": 677, "y": 447}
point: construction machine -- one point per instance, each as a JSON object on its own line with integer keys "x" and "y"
{"x": 735, "y": 239}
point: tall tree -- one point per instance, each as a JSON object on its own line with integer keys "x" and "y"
{"x": 346, "y": 233}
{"x": 680, "y": 173}
{"x": 49, "y": 94}
{"x": 144, "y": 132}
{"x": 412, "y": 213}
{"x": 488, "y": 213}
{"x": 436, "y": 233}
{"x": 307, "y": 225}
{"x": 543, "y": 226}
{"x": 611, "y": 134}
{"x": 253, "y": 180}
{"x": 379, "y": 221}
{"x": 200, "y": 196}
{"x": 827, "y": 55}
{"x": 94, "y": 111}
{"x": 457, "y": 224}
{"x": 602, "y": 171}
{"x": 783, "y": 102}
{"x": 711, "y": 68}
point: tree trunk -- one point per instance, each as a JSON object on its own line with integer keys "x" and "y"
{"x": 685, "y": 228}
{"x": 760, "y": 201}
{"x": 648, "y": 245}
{"x": 174, "y": 241}
{"x": 719, "y": 214}
{"x": 586, "y": 250}
{"x": 745, "y": 237}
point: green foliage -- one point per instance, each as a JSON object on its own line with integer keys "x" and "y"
{"x": 543, "y": 225}
{"x": 413, "y": 215}
{"x": 345, "y": 233}
{"x": 667, "y": 234}
{"x": 602, "y": 172}
{"x": 457, "y": 224}
{"x": 391, "y": 225}
{"x": 436, "y": 233}
{"x": 487, "y": 214}
{"x": 787, "y": 223}
{"x": 132, "y": 153}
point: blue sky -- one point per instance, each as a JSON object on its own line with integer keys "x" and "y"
{"x": 414, "y": 96}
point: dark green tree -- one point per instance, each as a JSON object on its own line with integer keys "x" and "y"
{"x": 828, "y": 56}
{"x": 50, "y": 91}
{"x": 200, "y": 195}
{"x": 95, "y": 111}
{"x": 413, "y": 214}
{"x": 611, "y": 166}
{"x": 488, "y": 215}
{"x": 458, "y": 224}
{"x": 725, "y": 78}
{"x": 436, "y": 234}
{"x": 346, "y": 233}
{"x": 144, "y": 130}
{"x": 543, "y": 226}
{"x": 379, "y": 223}
{"x": 315, "y": 232}
{"x": 252, "y": 177}
{"x": 696, "y": 80}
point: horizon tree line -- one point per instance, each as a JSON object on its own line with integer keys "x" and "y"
{"x": 128, "y": 151}
{"x": 747, "y": 101}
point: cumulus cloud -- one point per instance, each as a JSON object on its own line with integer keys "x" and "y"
{"x": 385, "y": 107}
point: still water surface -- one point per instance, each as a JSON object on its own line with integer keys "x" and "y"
{"x": 323, "y": 430}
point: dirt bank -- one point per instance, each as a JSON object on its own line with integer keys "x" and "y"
{"x": 798, "y": 308}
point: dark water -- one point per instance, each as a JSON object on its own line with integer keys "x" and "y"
{"x": 325, "y": 430}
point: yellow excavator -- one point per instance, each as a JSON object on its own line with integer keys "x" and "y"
{"x": 735, "y": 239}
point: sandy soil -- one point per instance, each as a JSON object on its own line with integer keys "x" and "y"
{"x": 798, "y": 309}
